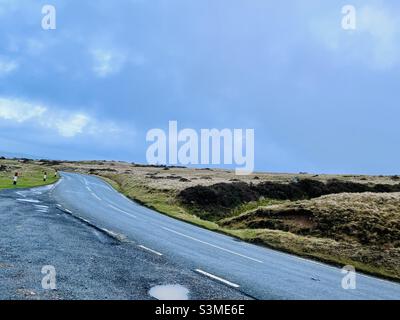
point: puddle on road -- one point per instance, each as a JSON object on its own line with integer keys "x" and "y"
{"x": 169, "y": 292}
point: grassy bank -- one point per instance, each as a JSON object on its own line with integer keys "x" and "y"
{"x": 30, "y": 174}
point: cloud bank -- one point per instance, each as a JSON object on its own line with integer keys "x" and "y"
{"x": 66, "y": 123}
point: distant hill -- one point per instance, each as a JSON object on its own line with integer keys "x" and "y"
{"x": 19, "y": 155}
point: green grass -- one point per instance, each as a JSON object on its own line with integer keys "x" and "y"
{"x": 30, "y": 175}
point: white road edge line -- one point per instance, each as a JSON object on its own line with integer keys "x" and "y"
{"x": 83, "y": 219}
{"x": 127, "y": 213}
{"x": 212, "y": 245}
{"x": 151, "y": 250}
{"x": 218, "y": 278}
{"x": 62, "y": 208}
{"x": 109, "y": 232}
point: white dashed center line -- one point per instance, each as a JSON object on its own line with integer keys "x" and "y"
{"x": 127, "y": 213}
{"x": 96, "y": 196}
{"x": 212, "y": 245}
{"x": 218, "y": 278}
{"x": 150, "y": 250}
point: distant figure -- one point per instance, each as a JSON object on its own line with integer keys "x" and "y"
{"x": 15, "y": 179}
{"x": 45, "y": 177}
{"x": 55, "y": 174}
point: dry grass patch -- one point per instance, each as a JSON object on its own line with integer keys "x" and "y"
{"x": 368, "y": 218}
{"x": 358, "y": 229}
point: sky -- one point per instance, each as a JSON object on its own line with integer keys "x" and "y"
{"x": 319, "y": 98}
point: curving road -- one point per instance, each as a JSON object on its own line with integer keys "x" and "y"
{"x": 256, "y": 271}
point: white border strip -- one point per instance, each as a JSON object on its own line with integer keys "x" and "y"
{"x": 122, "y": 211}
{"x": 212, "y": 245}
{"x": 96, "y": 196}
{"x": 150, "y": 250}
{"x": 218, "y": 278}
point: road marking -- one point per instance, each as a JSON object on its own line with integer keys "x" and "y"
{"x": 109, "y": 232}
{"x": 85, "y": 220}
{"x": 41, "y": 207}
{"x": 127, "y": 213}
{"x": 96, "y": 196}
{"x": 21, "y": 194}
{"x": 42, "y": 211}
{"x": 212, "y": 245}
{"x": 28, "y": 200}
{"x": 56, "y": 184}
{"x": 218, "y": 278}
{"x": 151, "y": 250}
{"x": 62, "y": 208}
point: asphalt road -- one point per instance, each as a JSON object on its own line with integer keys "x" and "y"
{"x": 253, "y": 270}
{"x": 89, "y": 263}
{"x": 104, "y": 246}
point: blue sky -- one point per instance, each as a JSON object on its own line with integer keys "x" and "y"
{"x": 320, "y": 98}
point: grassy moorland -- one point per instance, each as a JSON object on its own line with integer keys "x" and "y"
{"x": 30, "y": 174}
{"x": 339, "y": 219}
{"x": 362, "y": 229}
